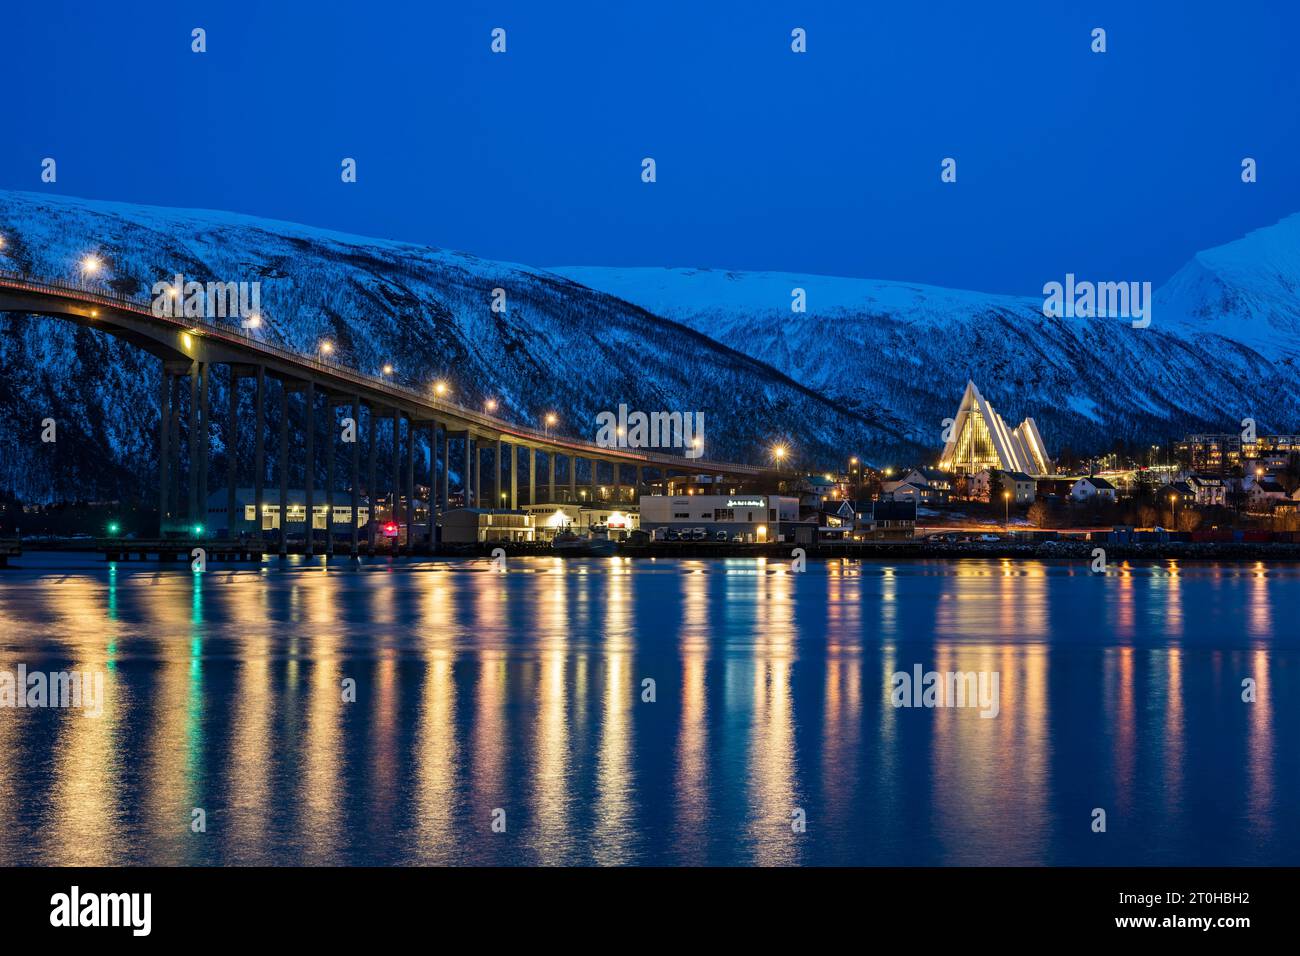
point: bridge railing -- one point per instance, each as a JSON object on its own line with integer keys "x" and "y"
{"x": 241, "y": 337}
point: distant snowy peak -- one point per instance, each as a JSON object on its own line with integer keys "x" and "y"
{"x": 1247, "y": 290}
{"x": 678, "y": 292}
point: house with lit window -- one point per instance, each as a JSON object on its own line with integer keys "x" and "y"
{"x": 1093, "y": 488}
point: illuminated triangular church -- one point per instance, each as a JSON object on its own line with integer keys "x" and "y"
{"x": 980, "y": 439}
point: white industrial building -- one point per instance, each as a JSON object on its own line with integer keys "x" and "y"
{"x": 754, "y": 518}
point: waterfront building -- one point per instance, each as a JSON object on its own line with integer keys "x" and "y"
{"x": 485, "y": 525}
{"x": 584, "y": 519}
{"x": 245, "y": 520}
{"x": 890, "y": 521}
{"x": 753, "y": 517}
{"x": 981, "y": 439}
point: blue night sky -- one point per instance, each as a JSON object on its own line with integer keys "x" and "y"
{"x": 1119, "y": 165}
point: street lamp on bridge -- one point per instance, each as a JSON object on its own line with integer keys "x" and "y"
{"x": 440, "y": 388}
{"x": 490, "y": 406}
{"x": 90, "y": 265}
{"x": 324, "y": 349}
{"x": 550, "y": 420}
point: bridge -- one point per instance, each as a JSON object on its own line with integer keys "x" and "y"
{"x": 189, "y": 349}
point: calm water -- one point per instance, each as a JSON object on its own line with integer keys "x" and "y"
{"x": 522, "y": 691}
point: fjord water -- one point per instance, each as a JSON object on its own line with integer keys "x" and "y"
{"x": 478, "y": 692}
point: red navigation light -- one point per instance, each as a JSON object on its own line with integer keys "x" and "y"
{"x": 390, "y": 527}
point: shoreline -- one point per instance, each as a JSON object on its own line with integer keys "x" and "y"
{"x": 1084, "y": 552}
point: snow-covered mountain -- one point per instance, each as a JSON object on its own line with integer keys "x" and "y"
{"x": 558, "y": 346}
{"x": 1247, "y": 290}
{"x": 1222, "y": 345}
{"x": 871, "y": 368}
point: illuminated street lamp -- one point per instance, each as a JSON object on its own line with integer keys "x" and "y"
{"x": 325, "y": 348}
{"x": 490, "y": 406}
{"x": 1006, "y": 500}
{"x": 551, "y": 419}
{"x": 386, "y": 371}
{"x": 440, "y": 388}
{"x": 90, "y": 265}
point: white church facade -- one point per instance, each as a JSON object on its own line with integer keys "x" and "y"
{"x": 980, "y": 439}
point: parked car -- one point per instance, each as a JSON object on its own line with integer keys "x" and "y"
{"x": 699, "y": 534}
{"x": 737, "y": 538}
{"x": 721, "y": 536}
{"x": 671, "y": 534}
{"x": 988, "y": 537}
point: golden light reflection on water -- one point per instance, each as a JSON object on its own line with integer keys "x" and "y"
{"x": 551, "y": 781}
{"x": 614, "y": 829}
{"x": 551, "y": 667}
{"x": 321, "y": 746}
{"x": 691, "y": 780}
{"x": 1261, "y": 804}
{"x": 250, "y": 758}
{"x": 772, "y": 758}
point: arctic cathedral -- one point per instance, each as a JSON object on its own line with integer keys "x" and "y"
{"x": 981, "y": 439}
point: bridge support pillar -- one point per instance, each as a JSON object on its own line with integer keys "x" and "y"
{"x": 432, "y": 517}
{"x": 191, "y": 442}
{"x": 164, "y": 449}
{"x": 356, "y": 469}
{"x": 573, "y": 478}
{"x": 370, "y": 481}
{"x": 331, "y": 439}
{"x": 446, "y": 466}
{"x": 259, "y": 456}
{"x": 410, "y": 485}
{"x": 397, "y": 476}
{"x": 514, "y": 476}
{"x": 476, "y": 456}
{"x": 618, "y": 482}
{"x": 532, "y": 475}
{"x": 309, "y": 480}
{"x": 284, "y": 468}
{"x": 204, "y": 436}
{"x": 232, "y": 452}
{"x": 550, "y": 477}
{"x": 497, "y": 465}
